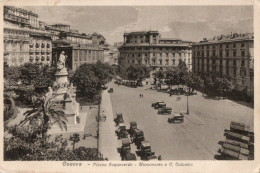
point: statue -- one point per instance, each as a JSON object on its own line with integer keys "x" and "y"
{"x": 62, "y": 60}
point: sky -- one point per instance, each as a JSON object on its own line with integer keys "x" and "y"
{"x": 191, "y": 23}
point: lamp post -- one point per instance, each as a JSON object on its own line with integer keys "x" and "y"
{"x": 187, "y": 105}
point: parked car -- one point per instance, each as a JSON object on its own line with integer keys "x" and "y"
{"x": 111, "y": 90}
{"x": 160, "y": 105}
{"x": 138, "y": 137}
{"x": 155, "y": 103}
{"x": 119, "y": 118}
{"x": 146, "y": 151}
{"x": 125, "y": 148}
{"x": 179, "y": 118}
{"x": 166, "y": 110}
{"x": 121, "y": 131}
{"x": 133, "y": 126}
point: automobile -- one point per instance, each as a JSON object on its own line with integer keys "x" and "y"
{"x": 130, "y": 156}
{"x": 119, "y": 118}
{"x": 177, "y": 118}
{"x": 146, "y": 151}
{"x": 133, "y": 125}
{"x": 160, "y": 105}
{"x": 125, "y": 148}
{"x": 138, "y": 137}
{"x": 121, "y": 131}
{"x": 155, "y": 103}
{"x": 166, "y": 110}
{"x": 111, "y": 90}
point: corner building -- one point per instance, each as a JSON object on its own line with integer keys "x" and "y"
{"x": 148, "y": 48}
{"x": 229, "y": 56}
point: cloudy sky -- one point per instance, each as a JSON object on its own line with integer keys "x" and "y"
{"x": 186, "y": 22}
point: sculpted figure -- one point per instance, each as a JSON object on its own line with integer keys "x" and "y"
{"x": 62, "y": 60}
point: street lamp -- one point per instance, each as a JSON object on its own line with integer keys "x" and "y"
{"x": 187, "y": 105}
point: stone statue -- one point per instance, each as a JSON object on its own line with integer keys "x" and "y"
{"x": 62, "y": 60}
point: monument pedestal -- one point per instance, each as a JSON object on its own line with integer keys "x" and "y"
{"x": 64, "y": 96}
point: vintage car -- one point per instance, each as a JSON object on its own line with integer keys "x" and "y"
{"x": 166, "y": 110}
{"x": 156, "y": 103}
{"x": 177, "y": 118}
{"x": 133, "y": 125}
{"x": 129, "y": 156}
{"x": 125, "y": 152}
{"x": 138, "y": 137}
{"x": 119, "y": 118}
{"x": 146, "y": 151}
{"x": 160, "y": 105}
{"x": 111, "y": 90}
{"x": 121, "y": 131}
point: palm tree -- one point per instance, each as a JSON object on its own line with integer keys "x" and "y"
{"x": 45, "y": 113}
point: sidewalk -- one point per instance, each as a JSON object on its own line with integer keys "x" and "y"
{"x": 108, "y": 142}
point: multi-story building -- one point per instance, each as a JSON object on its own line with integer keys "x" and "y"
{"x": 64, "y": 32}
{"x": 21, "y": 16}
{"x": 78, "y": 55}
{"x": 148, "y": 48}
{"x": 22, "y": 45}
{"x": 228, "y": 56}
{"x": 24, "y": 39}
{"x": 98, "y": 39}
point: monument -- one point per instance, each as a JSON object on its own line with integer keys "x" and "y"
{"x": 64, "y": 95}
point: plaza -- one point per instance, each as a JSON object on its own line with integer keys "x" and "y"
{"x": 186, "y": 141}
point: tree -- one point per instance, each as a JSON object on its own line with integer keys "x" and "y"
{"x": 74, "y": 139}
{"x": 45, "y": 113}
{"x": 89, "y": 78}
{"x": 182, "y": 66}
{"x": 160, "y": 75}
{"x": 209, "y": 86}
{"x": 25, "y": 144}
{"x": 137, "y": 72}
{"x": 227, "y": 87}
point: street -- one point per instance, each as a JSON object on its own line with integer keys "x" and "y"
{"x": 184, "y": 141}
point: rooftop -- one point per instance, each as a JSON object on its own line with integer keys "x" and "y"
{"x": 227, "y": 38}
{"x": 21, "y": 10}
{"x": 140, "y": 32}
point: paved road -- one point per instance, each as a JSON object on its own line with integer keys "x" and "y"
{"x": 186, "y": 141}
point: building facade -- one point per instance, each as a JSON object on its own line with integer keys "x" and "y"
{"x": 21, "y": 16}
{"x": 78, "y": 55}
{"x": 149, "y": 49}
{"x": 23, "y": 45}
{"x": 228, "y": 56}
{"x": 24, "y": 40}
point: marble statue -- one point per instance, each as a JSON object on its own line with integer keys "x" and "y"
{"x": 62, "y": 60}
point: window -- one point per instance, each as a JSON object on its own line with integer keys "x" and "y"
{"x": 234, "y": 53}
{"x": 173, "y": 61}
{"x": 160, "y": 62}
{"x": 167, "y": 54}
{"x": 133, "y": 61}
{"x": 227, "y": 53}
{"x": 234, "y": 63}
{"x": 128, "y": 61}
{"x": 234, "y": 45}
{"x": 243, "y": 45}
{"x": 227, "y": 45}
{"x": 167, "y": 62}
{"x": 243, "y": 63}
{"x": 242, "y": 53}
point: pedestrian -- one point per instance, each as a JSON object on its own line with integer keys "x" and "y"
{"x": 160, "y": 157}
{"x": 142, "y": 95}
